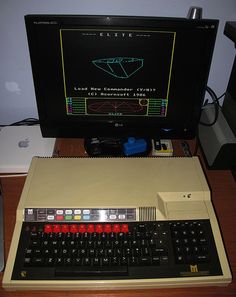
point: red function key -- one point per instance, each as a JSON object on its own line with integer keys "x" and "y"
{"x": 125, "y": 228}
{"x": 116, "y": 228}
{"x": 99, "y": 228}
{"x": 74, "y": 228}
{"x": 107, "y": 228}
{"x": 90, "y": 228}
{"x": 65, "y": 228}
{"x": 56, "y": 229}
{"x": 82, "y": 228}
{"x": 48, "y": 228}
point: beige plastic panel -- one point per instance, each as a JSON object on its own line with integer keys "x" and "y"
{"x": 175, "y": 186}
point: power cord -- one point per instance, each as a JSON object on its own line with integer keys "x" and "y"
{"x": 24, "y": 122}
{"x": 215, "y": 102}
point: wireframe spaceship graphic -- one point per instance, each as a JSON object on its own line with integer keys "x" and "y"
{"x": 119, "y": 67}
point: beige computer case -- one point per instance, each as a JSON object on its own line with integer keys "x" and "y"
{"x": 158, "y": 188}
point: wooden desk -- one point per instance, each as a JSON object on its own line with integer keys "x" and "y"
{"x": 223, "y": 189}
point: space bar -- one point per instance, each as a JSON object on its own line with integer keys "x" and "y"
{"x": 91, "y": 271}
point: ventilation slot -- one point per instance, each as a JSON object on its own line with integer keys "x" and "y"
{"x": 147, "y": 213}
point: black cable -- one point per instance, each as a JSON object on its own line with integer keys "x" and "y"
{"x": 221, "y": 96}
{"x": 24, "y": 122}
{"x": 186, "y": 149}
{"x": 215, "y": 102}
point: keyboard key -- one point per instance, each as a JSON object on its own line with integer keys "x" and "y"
{"x": 159, "y": 251}
{"x": 96, "y": 262}
{"x": 105, "y": 261}
{"x": 164, "y": 260}
{"x": 180, "y": 259}
{"x": 59, "y": 261}
{"x": 145, "y": 261}
{"x": 49, "y": 261}
{"x": 91, "y": 271}
{"x": 38, "y": 261}
{"x": 134, "y": 261}
{"x": 115, "y": 261}
{"x": 155, "y": 260}
{"x": 202, "y": 258}
{"x": 87, "y": 261}
{"x": 77, "y": 261}
{"x": 27, "y": 261}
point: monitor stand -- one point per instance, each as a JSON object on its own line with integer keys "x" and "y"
{"x": 117, "y": 147}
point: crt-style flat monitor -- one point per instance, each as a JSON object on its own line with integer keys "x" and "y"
{"x": 119, "y": 75}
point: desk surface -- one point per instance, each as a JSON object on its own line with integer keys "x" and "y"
{"x": 223, "y": 189}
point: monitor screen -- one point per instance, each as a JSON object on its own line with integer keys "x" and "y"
{"x": 119, "y": 75}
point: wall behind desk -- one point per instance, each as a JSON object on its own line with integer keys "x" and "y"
{"x": 17, "y": 98}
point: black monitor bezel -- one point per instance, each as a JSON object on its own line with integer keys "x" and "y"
{"x": 116, "y": 126}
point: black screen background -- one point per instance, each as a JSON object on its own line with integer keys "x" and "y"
{"x": 192, "y": 57}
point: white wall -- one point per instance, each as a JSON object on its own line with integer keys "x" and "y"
{"x": 17, "y": 99}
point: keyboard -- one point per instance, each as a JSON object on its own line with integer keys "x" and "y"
{"x": 129, "y": 250}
